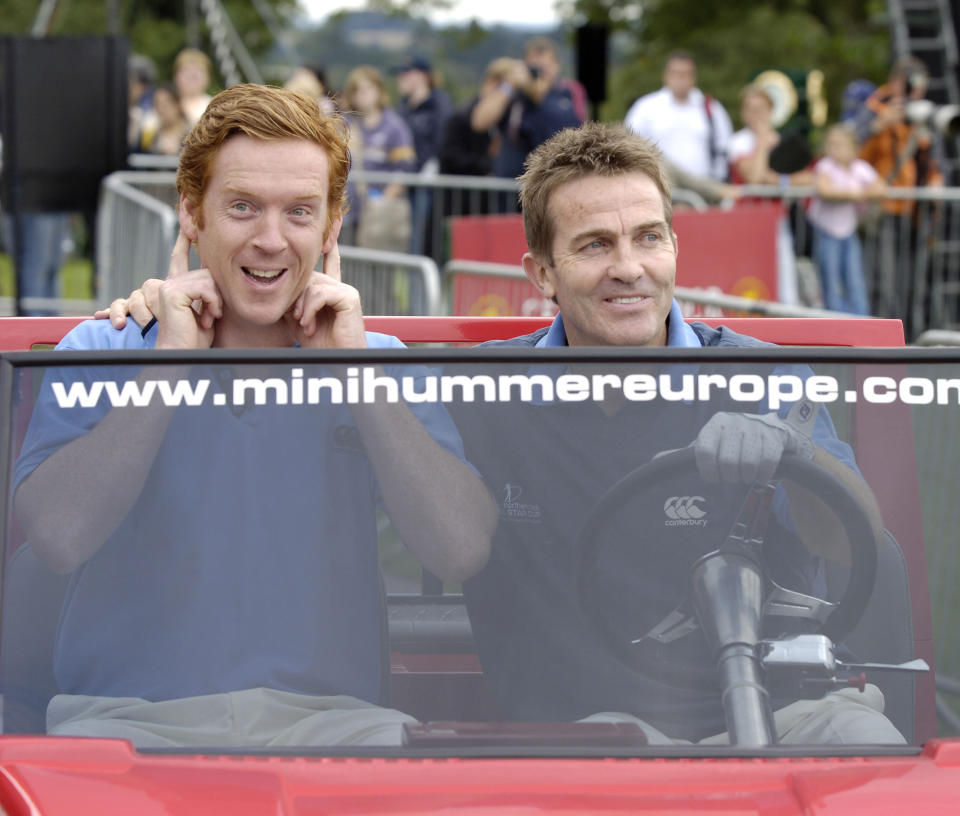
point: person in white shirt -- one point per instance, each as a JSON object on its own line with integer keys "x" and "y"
{"x": 691, "y": 129}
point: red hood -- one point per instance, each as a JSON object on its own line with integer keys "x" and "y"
{"x": 86, "y": 776}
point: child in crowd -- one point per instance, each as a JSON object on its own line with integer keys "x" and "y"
{"x": 843, "y": 182}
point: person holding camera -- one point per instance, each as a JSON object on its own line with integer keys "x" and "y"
{"x": 528, "y": 107}
{"x": 899, "y": 149}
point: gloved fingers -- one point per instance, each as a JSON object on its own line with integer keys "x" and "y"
{"x": 706, "y": 450}
{"x": 739, "y": 450}
{"x": 764, "y": 463}
{"x": 736, "y": 450}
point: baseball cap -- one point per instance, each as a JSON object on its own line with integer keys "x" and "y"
{"x": 412, "y": 64}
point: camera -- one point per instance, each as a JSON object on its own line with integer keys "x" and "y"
{"x": 942, "y": 119}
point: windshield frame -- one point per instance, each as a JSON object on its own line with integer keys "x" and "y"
{"x": 11, "y": 361}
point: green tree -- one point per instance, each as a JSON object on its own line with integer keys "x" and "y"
{"x": 734, "y": 41}
{"x": 156, "y": 28}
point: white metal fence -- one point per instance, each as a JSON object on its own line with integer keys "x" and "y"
{"x": 711, "y": 303}
{"x": 135, "y": 234}
{"x": 911, "y": 263}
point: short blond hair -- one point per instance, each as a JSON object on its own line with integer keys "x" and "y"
{"x": 192, "y": 56}
{"x": 269, "y": 114}
{"x": 595, "y": 149}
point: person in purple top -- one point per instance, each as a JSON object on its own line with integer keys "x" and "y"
{"x": 380, "y": 140}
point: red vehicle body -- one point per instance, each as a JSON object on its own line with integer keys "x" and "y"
{"x": 58, "y": 775}
{"x": 53, "y": 775}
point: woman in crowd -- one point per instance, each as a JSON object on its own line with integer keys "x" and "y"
{"x": 749, "y": 156}
{"x": 381, "y": 140}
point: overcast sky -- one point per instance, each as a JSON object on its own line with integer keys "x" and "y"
{"x": 489, "y": 11}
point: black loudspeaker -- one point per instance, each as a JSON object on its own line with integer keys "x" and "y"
{"x": 64, "y": 119}
{"x": 592, "y": 60}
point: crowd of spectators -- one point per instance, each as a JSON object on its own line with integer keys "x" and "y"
{"x": 160, "y": 117}
{"x": 881, "y": 143}
{"x": 521, "y": 102}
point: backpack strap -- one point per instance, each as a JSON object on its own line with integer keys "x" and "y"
{"x": 711, "y": 131}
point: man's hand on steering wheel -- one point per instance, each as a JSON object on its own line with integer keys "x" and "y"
{"x": 746, "y": 448}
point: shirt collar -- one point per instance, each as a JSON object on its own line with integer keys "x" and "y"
{"x": 556, "y": 335}
{"x": 679, "y": 333}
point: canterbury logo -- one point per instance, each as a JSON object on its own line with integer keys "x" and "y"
{"x": 684, "y": 507}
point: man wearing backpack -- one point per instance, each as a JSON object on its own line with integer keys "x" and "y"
{"x": 690, "y": 127}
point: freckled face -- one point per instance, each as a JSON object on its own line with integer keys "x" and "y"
{"x": 614, "y": 261}
{"x": 264, "y": 225}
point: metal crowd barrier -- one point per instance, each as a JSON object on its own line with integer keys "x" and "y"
{"x": 137, "y": 225}
{"x": 392, "y": 283}
{"x": 911, "y": 262}
{"x": 710, "y": 303}
{"x": 437, "y": 198}
{"x": 135, "y": 233}
{"x": 938, "y": 337}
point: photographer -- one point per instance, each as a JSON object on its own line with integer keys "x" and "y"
{"x": 527, "y": 108}
{"x": 899, "y": 148}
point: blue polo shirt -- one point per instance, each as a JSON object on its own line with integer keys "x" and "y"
{"x": 249, "y": 559}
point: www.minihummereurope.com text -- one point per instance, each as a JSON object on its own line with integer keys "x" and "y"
{"x": 370, "y": 385}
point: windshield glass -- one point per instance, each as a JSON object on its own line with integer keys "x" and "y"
{"x": 634, "y": 552}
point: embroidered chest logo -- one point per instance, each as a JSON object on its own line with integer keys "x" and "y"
{"x": 512, "y": 509}
{"x": 684, "y": 511}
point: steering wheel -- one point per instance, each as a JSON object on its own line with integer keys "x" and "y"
{"x": 653, "y": 658}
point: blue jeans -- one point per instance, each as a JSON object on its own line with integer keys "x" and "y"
{"x": 840, "y": 262}
{"x": 41, "y": 255}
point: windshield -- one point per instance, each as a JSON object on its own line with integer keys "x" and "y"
{"x": 635, "y": 552}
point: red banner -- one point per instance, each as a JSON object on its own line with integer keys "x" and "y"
{"x": 732, "y": 251}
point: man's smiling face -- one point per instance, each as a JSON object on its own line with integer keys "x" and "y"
{"x": 264, "y": 225}
{"x": 614, "y": 261}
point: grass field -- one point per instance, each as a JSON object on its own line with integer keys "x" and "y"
{"x": 76, "y": 278}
